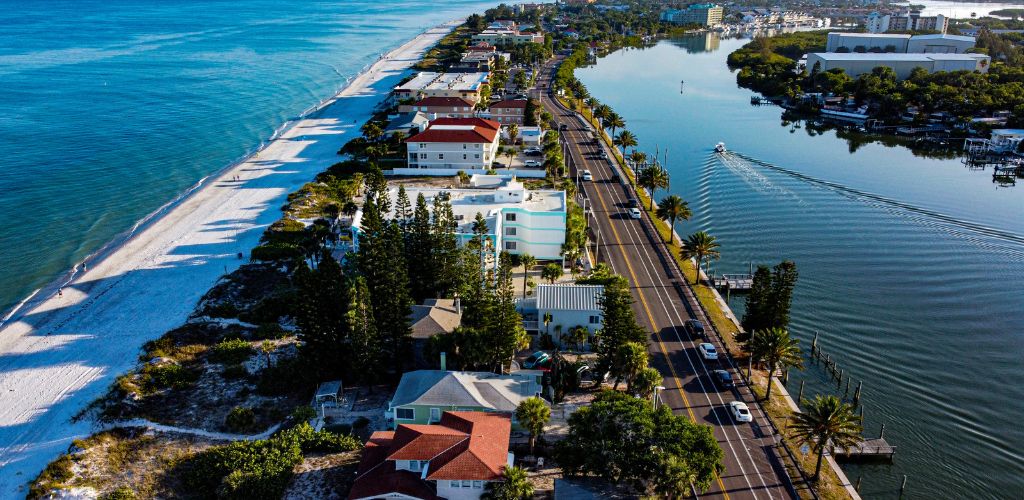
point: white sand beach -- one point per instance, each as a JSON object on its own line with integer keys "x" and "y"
{"x": 61, "y": 352}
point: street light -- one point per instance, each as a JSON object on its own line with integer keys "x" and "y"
{"x": 655, "y": 399}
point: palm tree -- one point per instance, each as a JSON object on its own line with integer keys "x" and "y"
{"x": 463, "y": 178}
{"x": 515, "y": 485}
{"x": 826, "y": 422}
{"x": 638, "y": 158}
{"x": 578, "y": 334}
{"x": 569, "y": 187}
{"x": 552, "y": 272}
{"x": 592, "y": 104}
{"x": 671, "y": 208}
{"x": 701, "y": 245}
{"x": 533, "y": 413}
{"x": 777, "y": 350}
{"x": 510, "y": 152}
{"x": 372, "y": 131}
{"x": 513, "y": 132}
{"x": 498, "y": 153}
{"x": 644, "y": 383}
{"x": 548, "y": 318}
{"x": 614, "y": 122}
{"x": 601, "y": 112}
{"x": 527, "y": 261}
{"x": 632, "y": 357}
{"x": 624, "y": 140}
{"x": 652, "y": 178}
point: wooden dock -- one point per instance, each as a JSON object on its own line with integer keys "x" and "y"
{"x": 869, "y": 449}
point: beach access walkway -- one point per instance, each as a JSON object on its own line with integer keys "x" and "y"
{"x": 61, "y": 351}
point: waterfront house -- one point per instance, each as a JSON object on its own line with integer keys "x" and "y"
{"x": 1007, "y": 139}
{"x": 565, "y": 306}
{"x": 704, "y": 14}
{"x": 407, "y": 123}
{"x": 504, "y": 33}
{"x": 528, "y": 135}
{"x": 455, "y": 144}
{"x": 441, "y": 107}
{"x": 423, "y": 395}
{"x": 454, "y": 459}
{"x": 508, "y": 111}
{"x": 519, "y": 220}
{"x": 428, "y": 84}
{"x": 856, "y": 64}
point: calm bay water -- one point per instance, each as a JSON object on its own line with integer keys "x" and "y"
{"x": 910, "y": 268}
{"x": 111, "y": 108}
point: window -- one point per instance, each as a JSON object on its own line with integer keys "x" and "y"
{"x": 595, "y": 320}
{"x": 478, "y": 484}
{"x": 454, "y": 484}
{"x": 511, "y": 217}
{"x": 465, "y": 146}
{"x": 423, "y": 145}
{"x": 405, "y": 413}
{"x": 511, "y": 231}
{"x": 464, "y": 156}
{"x": 414, "y": 465}
{"x": 440, "y": 156}
{"x": 477, "y": 156}
{"x": 510, "y": 245}
{"x": 423, "y": 156}
{"x": 466, "y": 483}
{"x": 435, "y": 414}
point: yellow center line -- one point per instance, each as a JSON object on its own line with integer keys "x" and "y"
{"x": 650, "y": 317}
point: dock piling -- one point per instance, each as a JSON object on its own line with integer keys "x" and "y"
{"x": 903, "y": 486}
{"x": 847, "y": 391}
{"x": 800, "y": 396}
{"x": 881, "y": 434}
{"x": 856, "y": 394}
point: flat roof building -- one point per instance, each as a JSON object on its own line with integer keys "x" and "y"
{"x": 704, "y": 14}
{"x": 430, "y": 84}
{"x": 855, "y": 64}
{"x": 898, "y": 43}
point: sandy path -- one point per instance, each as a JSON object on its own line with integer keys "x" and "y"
{"x": 62, "y": 352}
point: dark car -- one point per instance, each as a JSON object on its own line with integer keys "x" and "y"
{"x": 634, "y": 203}
{"x": 694, "y": 327}
{"x": 722, "y": 379}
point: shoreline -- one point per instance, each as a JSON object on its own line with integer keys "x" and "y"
{"x": 61, "y": 351}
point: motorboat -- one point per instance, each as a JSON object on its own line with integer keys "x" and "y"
{"x": 720, "y": 147}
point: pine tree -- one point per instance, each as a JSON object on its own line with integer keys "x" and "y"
{"x": 783, "y": 281}
{"x": 505, "y": 328}
{"x": 445, "y": 249}
{"x": 391, "y": 301}
{"x": 420, "y": 258}
{"x": 756, "y": 315}
{"x": 320, "y": 317}
{"x": 619, "y": 324}
{"x": 403, "y": 208}
{"x": 367, "y": 350}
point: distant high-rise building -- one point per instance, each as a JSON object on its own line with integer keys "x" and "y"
{"x": 911, "y": 21}
{"x": 705, "y": 14}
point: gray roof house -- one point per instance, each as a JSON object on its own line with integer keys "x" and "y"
{"x": 408, "y": 123}
{"x": 433, "y": 317}
{"x": 423, "y": 395}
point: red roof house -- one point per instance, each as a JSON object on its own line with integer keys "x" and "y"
{"x": 455, "y": 458}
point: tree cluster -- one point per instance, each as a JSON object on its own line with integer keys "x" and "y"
{"x": 770, "y": 298}
{"x": 624, "y": 440}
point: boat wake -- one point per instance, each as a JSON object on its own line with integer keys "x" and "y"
{"x": 913, "y": 212}
{"x": 753, "y": 178}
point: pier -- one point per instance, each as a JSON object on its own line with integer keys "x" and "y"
{"x": 735, "y": 282}
{"x": 866, "y": 450}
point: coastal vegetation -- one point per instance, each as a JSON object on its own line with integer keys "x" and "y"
{"x": 769, "y": 65}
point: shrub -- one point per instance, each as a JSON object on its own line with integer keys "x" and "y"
{"x": 360, "y": 423}
{"x": 269, "y": 331}
{"x": 303, "y": 413}
{"x": 53, "y": 476}
{"x": 168, "y": 376}
{"x": 231, "y": 352}
{"x": 240, "y": 419}
{"x": 276, "y": 252}
{"x": 122, "y": 493}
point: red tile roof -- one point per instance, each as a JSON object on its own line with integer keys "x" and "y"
{"x": 444, "y": 102}
{"x": 510, "y": 103}
{"x": 470, "y": 130}
{"x": 464, "y": 445}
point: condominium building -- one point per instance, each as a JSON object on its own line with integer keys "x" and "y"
{"x": 910, "y": 21}
{"x": 428, "y": 84}
{"x": 704, "y": 14}
{"x": 441, "y": 107}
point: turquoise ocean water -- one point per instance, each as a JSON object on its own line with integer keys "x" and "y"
{"x": 110, "y": 109}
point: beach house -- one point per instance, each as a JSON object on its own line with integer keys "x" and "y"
{"x": 455, "y": 144}
{"x": 508, "y": 111}
{"x": 454, "y": 459}
{"x": 503, "y": 33}
{"x": 518, "y": 220}
{"x": 441, "y": 107}
{"x": 556, "y": 309}
{"x": 423, "y": 395}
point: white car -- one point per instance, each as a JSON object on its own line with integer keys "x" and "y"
{"x": 740, "y": 412}
{"x": 531, "y": 163}
{"x": 587, "y": 176}
{"x": 634, "y": 213}
{"x": 708, "y": 351}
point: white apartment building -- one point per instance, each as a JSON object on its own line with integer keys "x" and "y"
{"x": 519, "y": 220}
{"x": 911, "y": 21}
{"x": 898, "y": 43}
{"x": 855, "y": 64}
{"x": 455, "y": 143}
{"x": 428, "y": 84}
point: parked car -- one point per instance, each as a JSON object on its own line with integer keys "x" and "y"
{"x": 634, "y": 203}
{"x": 694, "y": 327}
{"x": 722, "y": 379}
{"x": 604, "y": 155}
{"x": 587, "y": 176}
{"x": 708, "y": 351}
{"x": 532, "y": 163}
{"x": 535, "y": 359}
{"x": 634, "y": 213}
{"x": 740, "y": 412}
